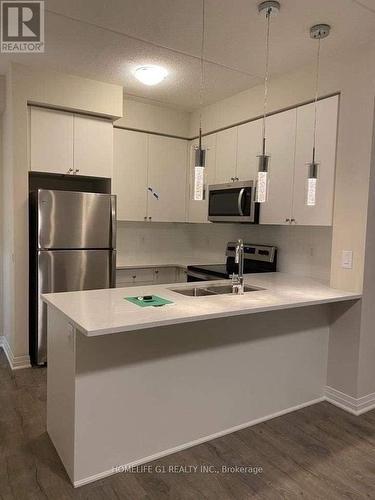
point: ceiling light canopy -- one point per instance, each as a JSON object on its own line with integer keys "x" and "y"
{"x": 151, "y": 75}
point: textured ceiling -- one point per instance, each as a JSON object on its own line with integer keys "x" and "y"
{"x": 106, "y": 40}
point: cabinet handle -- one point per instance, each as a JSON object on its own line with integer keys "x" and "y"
{"x": 70, "y": 171}
{"x": 287, "y": 220}
{"x": 293, "y": 220}
{"x": 145, "y": 217}
{"x": 150, "y": 218}
{"x": 236, "y": 179}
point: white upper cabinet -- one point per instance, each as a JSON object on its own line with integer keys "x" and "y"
{"x": 280, "y": 133}
{"x": 130, "y": 150}
{"x": 226, "y": 155}
{"x": 322, "y": 213}
{"x": 61, "y": 142}
{"x": 93, "y": 146}
{"x": 51, "y": 141}
{"x": 249, "y": 146}
{"x": 198, "y": 210}
{"x": 167, "y": 179}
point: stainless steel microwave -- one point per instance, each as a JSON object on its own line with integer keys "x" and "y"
{"x": 233, "y": 202}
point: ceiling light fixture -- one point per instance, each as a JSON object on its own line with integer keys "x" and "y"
{"x": 317, "y": 32}
{"x": 151, "y": 75}
{"x": 200, "y": 153}
{"x": 262, "y": 187}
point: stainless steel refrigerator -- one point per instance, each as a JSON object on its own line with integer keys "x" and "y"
{"x": 72, "y": 247}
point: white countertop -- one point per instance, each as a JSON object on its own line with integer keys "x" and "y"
{"x": 100, "y": 312}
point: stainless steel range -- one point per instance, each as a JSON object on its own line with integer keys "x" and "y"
{"x": 257, "y": 259}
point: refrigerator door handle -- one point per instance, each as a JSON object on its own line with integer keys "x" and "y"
{"x": 113, "y": 220}
{"x": 112, "y": 278}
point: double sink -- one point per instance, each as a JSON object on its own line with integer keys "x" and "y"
{"x": 203, "y": 291}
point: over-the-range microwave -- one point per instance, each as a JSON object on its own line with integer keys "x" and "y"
{"x": 233, "y": 202}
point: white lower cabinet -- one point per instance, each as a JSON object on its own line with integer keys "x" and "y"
{"x": 130, "y": 163}
{"x": 198, "y": 210}
{"x": 150, "y": 276}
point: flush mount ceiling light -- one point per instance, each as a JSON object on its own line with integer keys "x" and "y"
{"x": 150, "y": 75}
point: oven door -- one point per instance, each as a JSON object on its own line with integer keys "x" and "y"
{"x": 233, "y": 202}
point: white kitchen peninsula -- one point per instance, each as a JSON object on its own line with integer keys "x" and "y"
{"x": 128, "y": 384}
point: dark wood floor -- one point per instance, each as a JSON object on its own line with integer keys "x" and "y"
{"x": 319, "y": 452}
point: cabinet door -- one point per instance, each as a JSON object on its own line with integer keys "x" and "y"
{"x": 130, "y": 174}
{"x": 322, "y": 213}
{"x": 281, "y": 131}
{"x": 226, "y": 155}
{"x": 198, "y": 210}
{"x": 51, "y": 140}
{"x": 249, "y": 147}
{"x": 93, "y": 146}
{"x": 167, "y": 160}
{"x": 164, "y": 275}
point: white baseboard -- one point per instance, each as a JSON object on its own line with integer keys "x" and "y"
{"x": 15, "y": 362}
{"x": 355, "y": 406}
{"x": 190, "y": 444}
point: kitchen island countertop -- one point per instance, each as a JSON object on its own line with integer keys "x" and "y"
{"x": 100, "y": 312}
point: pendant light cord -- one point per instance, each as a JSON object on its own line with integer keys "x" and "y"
{"x": 316, "y": 98}
{"x": 202, "y": 71}
{"x": 266, "y": 78}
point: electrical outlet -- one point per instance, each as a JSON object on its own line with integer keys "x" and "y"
{"x": 347, "y": 259}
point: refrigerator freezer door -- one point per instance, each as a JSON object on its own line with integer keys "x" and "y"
{"x": 67, "y": 271}
{"x": 75, "y": 220}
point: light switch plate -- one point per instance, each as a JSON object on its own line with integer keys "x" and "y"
{"x": 347, "y": 259}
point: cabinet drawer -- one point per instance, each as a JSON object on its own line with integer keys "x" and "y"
{"x": 126, "y": 277}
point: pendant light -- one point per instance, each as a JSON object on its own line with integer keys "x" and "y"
{"x": 200, "y": 153}
{"x": 262, "y": 188}
{"x": 317, "y": 32}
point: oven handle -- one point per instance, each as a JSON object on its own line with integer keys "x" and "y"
{"x": 240, "y": 196}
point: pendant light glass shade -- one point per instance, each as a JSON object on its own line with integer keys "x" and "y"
{"x": 199, "y": 171}
{"x": 312, "y": 184}
{"x": 263, "y": 179}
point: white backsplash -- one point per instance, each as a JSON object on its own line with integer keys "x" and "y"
{"x": 302, "y": 250}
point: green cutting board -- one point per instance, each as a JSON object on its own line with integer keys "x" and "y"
{"x": 155, "y": 302}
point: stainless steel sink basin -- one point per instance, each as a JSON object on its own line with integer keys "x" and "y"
{"x": 223, "y": 289}
{"x": 194, "y": 292}
{"x": 211, "y": 290}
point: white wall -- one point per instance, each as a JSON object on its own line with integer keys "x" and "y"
{"x": 302, "y": 250}
{"x": 146, "y": 115}
{"x": 23, "y": 86}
